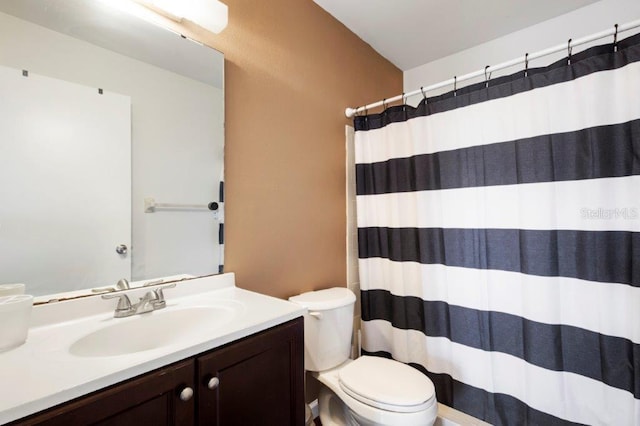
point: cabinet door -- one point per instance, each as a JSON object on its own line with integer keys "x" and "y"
{"x": 152, "y": 399}
{"x": 260, "y": 380}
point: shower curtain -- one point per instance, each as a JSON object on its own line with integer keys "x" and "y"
{"x": 499, "y": 241}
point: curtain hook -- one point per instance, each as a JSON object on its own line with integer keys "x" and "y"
{"x": 569, "y": 48}
{"x": 486, "y": 78}
{"x": 526, "y": 64}
{"x": 615, "y": 39}
{"x": 404, "y": 102}
{"x": 423, "y": 94}
{"x": 455, "y": 85}
{"x": 384, "y": 103}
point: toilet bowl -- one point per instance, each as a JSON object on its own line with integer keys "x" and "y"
{"x": 368, "y": 390}
{"x": 376, "y": 391}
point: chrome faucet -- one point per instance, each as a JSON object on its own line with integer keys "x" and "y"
{"x": 151, "y": 301}
{"x": 145, "y": 304}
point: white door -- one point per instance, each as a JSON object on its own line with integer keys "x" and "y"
{"x": 65, "y": 184}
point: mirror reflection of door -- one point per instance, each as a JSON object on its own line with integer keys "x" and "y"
{"x": 67, "y": 148}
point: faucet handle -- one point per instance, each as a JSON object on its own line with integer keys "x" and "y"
{"x": 122, "y": 284}
{"x": 124, "y": 303}
{"x": 154, "y": 282}
{"x": 160, "y": 303}
{"x": 103, "y": 290}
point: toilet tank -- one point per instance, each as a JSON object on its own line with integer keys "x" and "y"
{"x": 328, "y": 326}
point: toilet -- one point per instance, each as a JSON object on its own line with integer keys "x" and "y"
{"x": 365, "y": 391}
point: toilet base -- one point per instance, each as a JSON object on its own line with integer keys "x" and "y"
{"x": 333, "y": 412}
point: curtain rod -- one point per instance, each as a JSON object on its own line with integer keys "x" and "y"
{"x": 350, "y": 112}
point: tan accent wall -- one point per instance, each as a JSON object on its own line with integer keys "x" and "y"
{"x": 290, "y": 71}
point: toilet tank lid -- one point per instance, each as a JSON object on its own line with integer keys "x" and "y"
{"x": 329, "y": 298}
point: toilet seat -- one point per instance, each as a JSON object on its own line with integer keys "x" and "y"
{"x": 387, "y": 384}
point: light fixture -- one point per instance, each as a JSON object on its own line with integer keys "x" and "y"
{"x": 211, "y": 15}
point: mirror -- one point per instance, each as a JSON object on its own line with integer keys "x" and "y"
{"x": 111, "y": 149}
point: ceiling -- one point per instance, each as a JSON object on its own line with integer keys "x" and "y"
{"x": 410, "y": 33}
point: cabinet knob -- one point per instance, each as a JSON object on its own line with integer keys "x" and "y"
{"x": 213, "y": 383}
{"x": 186, "y": 394}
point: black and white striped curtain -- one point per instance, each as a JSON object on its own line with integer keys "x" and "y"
{"x": 499, "y": 241}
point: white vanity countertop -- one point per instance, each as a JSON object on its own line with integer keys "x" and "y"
{"x": 43, "y": 372}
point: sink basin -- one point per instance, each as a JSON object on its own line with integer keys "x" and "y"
{"x": 152, "y": 330}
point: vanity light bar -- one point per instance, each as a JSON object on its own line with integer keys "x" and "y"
{"x": 211, "y": 15}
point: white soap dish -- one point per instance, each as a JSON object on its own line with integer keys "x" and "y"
{"x": 15, "y": 313}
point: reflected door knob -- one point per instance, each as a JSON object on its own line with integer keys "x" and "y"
{"x": 186, "y": 394}
{"x": 121, "y": 249}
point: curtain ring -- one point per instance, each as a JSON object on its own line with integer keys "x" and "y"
{"x": 615, "y": 39}
{"x": 384, "y": 103}
{"x": 404, "y": 102}
{"x": 486, "y": 78}
{"x": 455, "y": 85}
{"x": 423, "y": 94}
{"x": 526, "y": 64}
{"x": 569, "y": 48}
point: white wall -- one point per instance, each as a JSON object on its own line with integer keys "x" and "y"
{"x": 579, "y": 23}
{"x": 172, "y": 159}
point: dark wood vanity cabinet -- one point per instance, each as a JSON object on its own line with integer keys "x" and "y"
{"x": 258, "y": 380}
{"x": 151, "y": 399}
